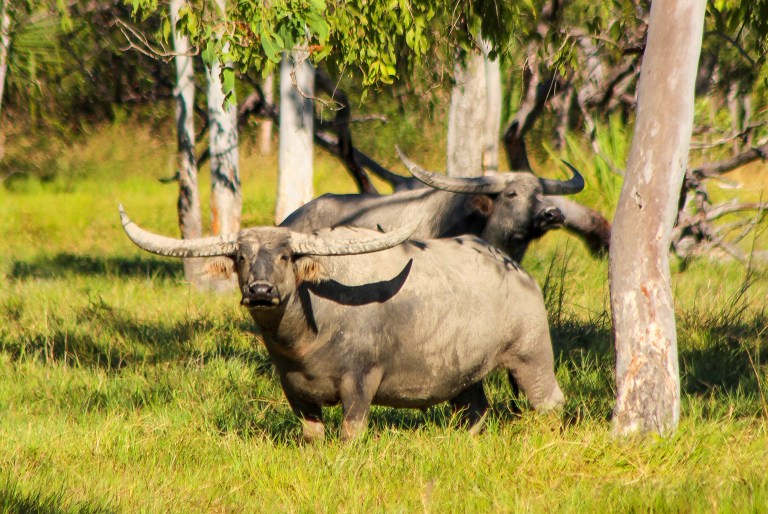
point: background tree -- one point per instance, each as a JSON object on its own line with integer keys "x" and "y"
{"x": 226, "y": 195}
{"x": 265, "y": 128}
{"x": 647, "y": 377}
{"x": 467, "y": 116}
{"x": 190, "y": 217}
{"x": 297, "y": 88}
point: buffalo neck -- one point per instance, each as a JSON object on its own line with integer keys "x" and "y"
{"x": 284, "y": 328}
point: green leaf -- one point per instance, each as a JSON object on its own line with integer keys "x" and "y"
{"x": 209, "y": 54}
{"x": 271, "y": 50}
{"x": 228, "y": 80}
{"x": 166, "y": 30}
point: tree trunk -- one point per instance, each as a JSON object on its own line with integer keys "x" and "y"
{"x": 294, "y": 184}
{"x": 647, "y": 377}
{"x": 265, "y": 128}
{"x": 588, "y": 225}
{"x": 492, "y": 116}
{"x": 226, "y": 199}
{"x": 466, "y": 118}
{"x": 5, "y": 42}
{"x": 190, "y": 219}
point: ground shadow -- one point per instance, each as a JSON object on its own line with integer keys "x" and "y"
{"x": 109, "y": 338}
{"x": 65, "y": 263}
{"x": 14, "y": 500}
{"x": 724, "y": 356}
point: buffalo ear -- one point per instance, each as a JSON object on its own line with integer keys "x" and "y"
{"x": 217, "y": 269}
{"x": 308, "y": 269}
{"x": 482, "y": 204}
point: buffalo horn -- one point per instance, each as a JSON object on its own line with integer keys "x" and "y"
{"x": 199, "y": 247}
{"x": 310, "y": 244}
{"x": 488, "y": 185}
{"x": 558, "y": 187}
{"x": 491, "y": 184}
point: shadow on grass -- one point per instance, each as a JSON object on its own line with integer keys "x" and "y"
{"x": 719, "y": 354}
{"x": 14, "y": 500}
{"x": 109, "y": 338}
{"x": 63, "y": 264}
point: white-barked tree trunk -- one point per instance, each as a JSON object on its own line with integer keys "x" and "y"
{"x": 647, "y": 375}
{"x": 466, "y": 118}
{"x": 492, "y": 125}
{"x": 190, "y": 219}
{"x": 5, "y": 43}
{"x": 297, "y": 88}
{"x": 226, "y": 197}
{"x": 265, "y": 127}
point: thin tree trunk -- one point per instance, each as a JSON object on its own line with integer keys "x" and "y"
{"x": 734, "y": 109}
{"x": 647, "y": 376}
{"x": 190, "y": 219}
{"x": 294, "y": 183}
{"x": 265, "y": 128}
{"x": 226, "y": 199}
{"x": 492, "y": 125}
{"x": 466, "y": 118}
{"x": 5, "y": 42}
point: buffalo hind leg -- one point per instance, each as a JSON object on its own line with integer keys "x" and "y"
{"x": 357, "y": 392}
{"x": 472, "y": 405}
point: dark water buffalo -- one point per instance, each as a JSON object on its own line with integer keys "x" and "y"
{"x": 410, "y": 326}
{"x": 508, "y": 210}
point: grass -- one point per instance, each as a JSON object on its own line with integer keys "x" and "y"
{"x": 123, "y": 390}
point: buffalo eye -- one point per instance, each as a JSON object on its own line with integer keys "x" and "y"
{"x": 240, "y": 259}
{"x": 285, "y": 257}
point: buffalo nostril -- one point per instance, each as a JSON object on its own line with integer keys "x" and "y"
{"x": 260, "y": 289}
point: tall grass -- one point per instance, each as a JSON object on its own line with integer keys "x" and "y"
{"x": 123, "y": 390}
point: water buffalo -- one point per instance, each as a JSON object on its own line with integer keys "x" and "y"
{"x": 508, "y": 210}
{"x": 410, "y": 326}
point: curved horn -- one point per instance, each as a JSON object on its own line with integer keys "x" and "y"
{"x": 570, "y": 187}
{"x": 490, "y": 184}
{"x": 172, "y": 247}
{"x": 310, "y": 244}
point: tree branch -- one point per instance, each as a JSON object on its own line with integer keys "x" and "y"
{"x": 341, "y": 126}
{"x": 713, "y": 169}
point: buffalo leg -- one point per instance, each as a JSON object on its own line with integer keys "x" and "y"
{"x": 515, "y": 392}
{"x": 311, "y": 417}
{"x": 471, "y": 404}
{"x": 357, "y": 393}
{"x": 533, "y": 370}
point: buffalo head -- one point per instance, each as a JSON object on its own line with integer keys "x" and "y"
{"x": 516, "y": 204}
{"x": 269, "y": 261}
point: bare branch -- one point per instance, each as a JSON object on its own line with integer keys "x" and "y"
{"x": 740, "y": 134}
{"x": 713, "y": 169}
{"x": 733, "y": 43}
{"x": 730, "y": 208}
{"x": 344, "y": 134}
{"x": 138, "y": 41}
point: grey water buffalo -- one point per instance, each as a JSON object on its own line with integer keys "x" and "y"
{"x": 508, "y": 210}
{"x": 409, "y": 326}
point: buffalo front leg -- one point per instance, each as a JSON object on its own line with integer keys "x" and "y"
{"x": 357, "y": 393}
{"x": 311, "y": 417}
{"x": 535, "y": 375}
{"x": 471, "y": 404}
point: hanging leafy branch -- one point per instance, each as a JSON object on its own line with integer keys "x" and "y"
{"x": 381, "y": 40}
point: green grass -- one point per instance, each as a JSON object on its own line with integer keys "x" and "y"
{"x": 124, "y": 390}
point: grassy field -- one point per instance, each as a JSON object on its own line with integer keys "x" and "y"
{"x": 124, "y": 390}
